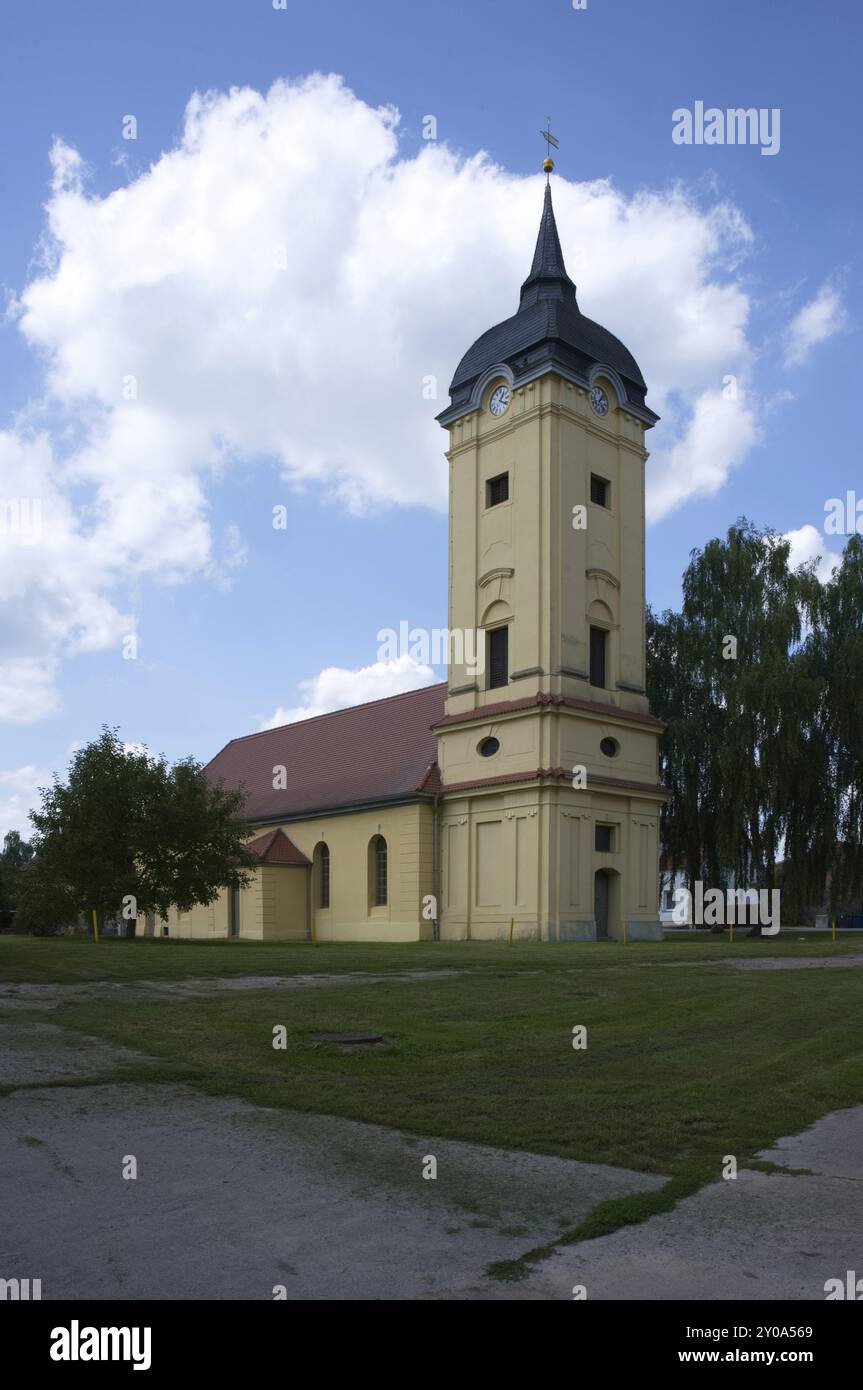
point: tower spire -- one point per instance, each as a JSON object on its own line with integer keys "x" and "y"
{"x": 548, "y": 278}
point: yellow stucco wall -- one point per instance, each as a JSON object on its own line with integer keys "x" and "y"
{"x": 273, "y": 906}
{"x": 527, "y": 853}
{"x": 350, "y": 916}
{"x": 284, "y": 902}
{"x": 522, "y": 561}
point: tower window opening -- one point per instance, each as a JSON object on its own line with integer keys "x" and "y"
{"x": 604, "y": 841}
{"x": 497, "y": 490}
{"x": 599, "y": 490}
{"x": 497, "y": 655}
{"x": 598, "y": 652}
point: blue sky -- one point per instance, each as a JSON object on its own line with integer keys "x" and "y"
{"x": 228, "y": 632}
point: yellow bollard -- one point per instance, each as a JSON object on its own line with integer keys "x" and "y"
{"x": 511, "y": 925}
{"x": 834, "y": 930}
{"x": 95, "y": 926}
{"x": 626, "y": 933}
{"x": 314, "y": 930}
{"x": 731, "y": 933}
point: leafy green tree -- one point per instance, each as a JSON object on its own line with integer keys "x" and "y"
{"x": 14, "y": 856}
{"x": 126, "y": 832}
{"x": 825, "y": 833}
{"x": 733, "y": 677}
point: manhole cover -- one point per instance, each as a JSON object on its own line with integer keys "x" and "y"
{"x": 350, "y": 1039}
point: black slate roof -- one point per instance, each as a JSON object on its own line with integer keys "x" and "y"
{"x": 548, "y": 329}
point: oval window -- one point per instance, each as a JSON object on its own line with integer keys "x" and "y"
{"x": 610, "y": 747}
{"x": 489, "y": 747}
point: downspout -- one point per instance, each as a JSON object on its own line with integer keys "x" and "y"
{"x": 436, "y": 866}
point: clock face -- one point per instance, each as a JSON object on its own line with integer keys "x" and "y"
{"x": 599, "y": 400}
{"x": 499, "y": 400}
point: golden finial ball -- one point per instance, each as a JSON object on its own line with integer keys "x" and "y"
{"x": 547, "y": 166}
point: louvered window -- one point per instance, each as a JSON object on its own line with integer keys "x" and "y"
{"x": 498, "y": 658}
{"x": 497, "y": 490}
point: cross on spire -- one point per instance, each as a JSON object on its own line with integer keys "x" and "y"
{"x": 548, "y": 162}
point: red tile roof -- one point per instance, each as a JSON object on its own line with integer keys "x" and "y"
{"x": 375, "y": 752}
{"x": 274, "y": 847}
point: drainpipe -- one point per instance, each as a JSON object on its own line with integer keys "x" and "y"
{"x": 436, "y": 866}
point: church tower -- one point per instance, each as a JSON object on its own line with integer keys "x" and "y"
{"x": 547, "y": 751}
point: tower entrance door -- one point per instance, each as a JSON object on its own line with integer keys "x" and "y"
{"x": 600, "y": 904}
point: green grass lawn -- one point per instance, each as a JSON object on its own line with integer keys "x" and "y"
{"x": 683, "y": 1065}
{"x": 66, "y": 959}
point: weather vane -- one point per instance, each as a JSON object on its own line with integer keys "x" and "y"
{"x": 548, "y": 162}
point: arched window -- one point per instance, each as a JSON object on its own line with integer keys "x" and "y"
{"x": 378, "y": 872}
{"x": 322, "y": 874}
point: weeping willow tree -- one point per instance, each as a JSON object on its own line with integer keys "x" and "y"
{"x": 735, "y": 677}
{"x": 825, "y": 821}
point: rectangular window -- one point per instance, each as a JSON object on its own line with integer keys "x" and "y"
{"x": 598, "y": 645}
{"x": 599, "y": 490}
{"x": 497, "y": 657}
{"x": 603, "y": 842}
{"x": 497, "y": 490}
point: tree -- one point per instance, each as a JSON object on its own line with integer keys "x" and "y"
{"x": 734, "y": 677}
{"x": 14, "y": 856}
{"x": 129, "y": 834}
{"x": 825, "y": 833}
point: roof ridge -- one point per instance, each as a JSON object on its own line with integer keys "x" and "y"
{"x": 328, "y": 714}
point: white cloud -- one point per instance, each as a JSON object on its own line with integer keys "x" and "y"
{"x": 337, "y": 688}
{"x": 258, "y": 300}
{"x": 807, "y": 543}
{"x": 27, "y": 691}
{"x": 19, "y": 796}
{"x": 822, "y": 318}
{"x": 718, "y": 434}
{"x": 56, "y": 571}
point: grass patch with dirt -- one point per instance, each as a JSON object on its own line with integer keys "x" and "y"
{"x": 682, "y": 1066}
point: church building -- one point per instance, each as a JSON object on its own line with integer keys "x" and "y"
{"x": 525, "y": 792}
